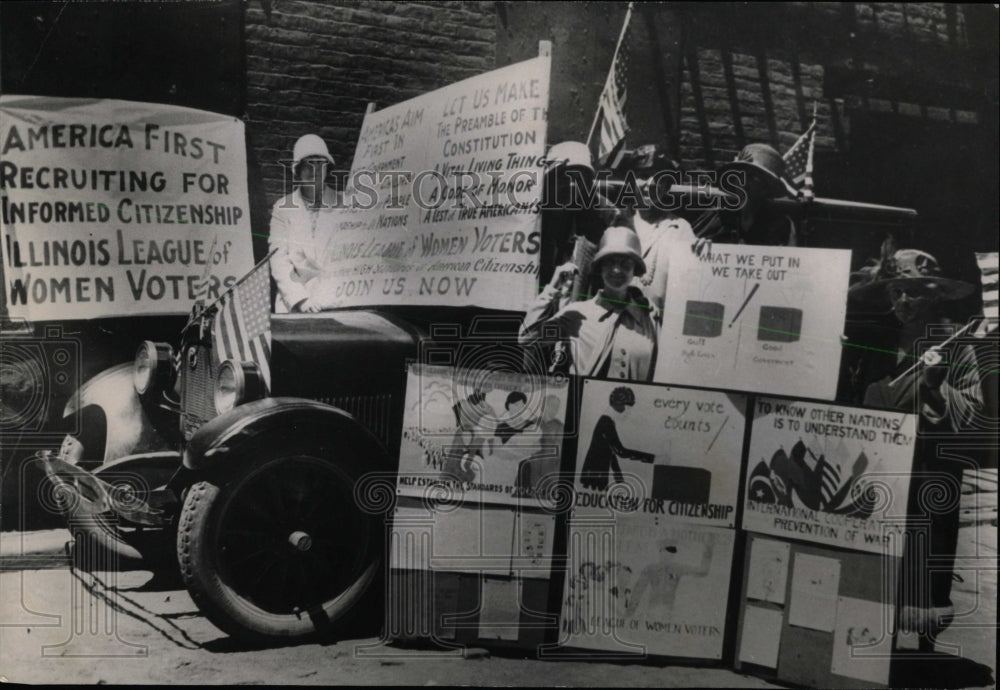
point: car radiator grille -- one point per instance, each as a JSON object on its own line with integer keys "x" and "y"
{"x": 198, "y": 372}
{"x": 371, "y": 410}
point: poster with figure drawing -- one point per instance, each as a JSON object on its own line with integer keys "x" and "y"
{"x": 750, "y": 318}
{"x": 659, "y": 450}
{"x": 481, "y": 436}
{"x": 646, "y": 585}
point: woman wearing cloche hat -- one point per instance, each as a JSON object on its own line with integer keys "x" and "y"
{"x": 940, "y": 383}
{"x": 610, "y": 335}
{"x": 301, "y": 224}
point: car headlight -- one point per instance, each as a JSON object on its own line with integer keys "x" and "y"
{"x": 237, "y": 383}
{"x": 153, "y": 367}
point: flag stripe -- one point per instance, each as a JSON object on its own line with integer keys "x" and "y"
{"x": 611, "y": 105}
{"x": 242, "y": 326}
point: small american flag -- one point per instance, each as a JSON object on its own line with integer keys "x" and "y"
{"x": 798, "y": 159}
{"x": 242, "y": 327}
{"x": 988, "y": 268}
{"x": 611, "y": 108}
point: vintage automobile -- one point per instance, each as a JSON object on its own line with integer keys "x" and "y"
{"x": 274, "y": 506}
{"x": 273, "y": 503}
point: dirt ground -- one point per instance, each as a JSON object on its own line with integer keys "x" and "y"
{"x": 64, "y": 626}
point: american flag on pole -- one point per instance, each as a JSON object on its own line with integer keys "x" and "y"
{"x": 242, "y": 327}
{"x": 988, "y": 268}
{"x": 611, "y": 107}
{"x": 798, "y": 159}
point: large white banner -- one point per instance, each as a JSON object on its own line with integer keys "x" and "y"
{"x": 759, "y": 319}
{"x": 115, "y": 208}
{"x": 829, "y": 474}
{"x": 444, "y": 198}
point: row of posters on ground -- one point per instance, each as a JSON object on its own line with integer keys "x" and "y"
{"x": 651, "y": 529}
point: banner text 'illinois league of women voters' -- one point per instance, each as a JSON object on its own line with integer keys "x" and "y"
{"x": 115, "y": 208}
{"x": 444, "y": 198}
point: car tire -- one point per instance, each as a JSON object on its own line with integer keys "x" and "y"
{"x": 278, "y": 550}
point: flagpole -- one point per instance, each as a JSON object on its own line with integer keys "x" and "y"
{"x": 611, "y": 72}
{"x": 921, "y": 360}
{"x": 232, "y": 287}
{"x": 807, "y": 186}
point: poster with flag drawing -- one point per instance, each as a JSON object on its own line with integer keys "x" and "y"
{"x": 241, "y": 329}
{"x": 829, "y": 474}
{"x": 753, "y": 318}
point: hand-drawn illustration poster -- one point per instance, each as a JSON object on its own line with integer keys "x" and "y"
{"x": 751, "y": 318}
{"x": 647, "y": 585}
{"x": 480, "y": 436}
{"x": 829, "y": 474}
{"x": 862, "y": 642}
{"x": 659, "y": 450}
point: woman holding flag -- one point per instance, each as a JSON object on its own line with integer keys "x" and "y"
{"x": 939, "y": 381}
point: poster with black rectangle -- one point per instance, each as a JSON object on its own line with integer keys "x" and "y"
{"x": 659, "y": 450}
{"x": 758, "y": 319}
{"x": 829, "y": 474}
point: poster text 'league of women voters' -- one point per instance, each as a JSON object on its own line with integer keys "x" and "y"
{"x": 650, "y": 536}
{"x": 444, "y": 198}
{"x": 756, "y": 319}
{"x": 115, "y": 208}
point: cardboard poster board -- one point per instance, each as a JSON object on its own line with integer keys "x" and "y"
{"x": 444, "y": 198}
{"x": 826, "y": 622}
{"x": 751, "y": 318}
{"x": 646, "y": 585}
{"x": 649, "y": 547}
{"x": 497, "y": 541}
{"x": 118, "y": 208}
{"x": 481, "y": 437}
{"x": 829, "y": 474}
{"x": 675, "y": 450}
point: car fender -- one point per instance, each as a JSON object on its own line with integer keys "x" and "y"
{"x": 129, "y": 428}
{"x": 324, "y": 427}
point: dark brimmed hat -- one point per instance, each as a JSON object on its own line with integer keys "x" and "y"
{"x": 765, "y": 163}
{"x": 871, "y": 284}
{"x": 621, "y": 240}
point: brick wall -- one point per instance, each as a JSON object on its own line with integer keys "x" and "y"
{"x": 313, "y": 66}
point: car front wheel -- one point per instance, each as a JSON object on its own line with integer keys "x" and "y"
{"x": 278, "y": 550}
